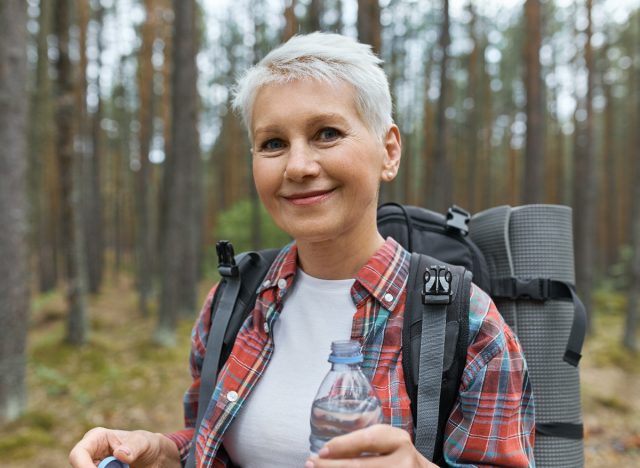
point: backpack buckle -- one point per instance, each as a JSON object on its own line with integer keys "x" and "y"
{"x": 437, "y": 285}
{"x": 226, "y": 258}
{"x": 458, "y": 219}
{"x": 536, "y": 289}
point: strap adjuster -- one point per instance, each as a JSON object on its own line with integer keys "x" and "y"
{"x": 226, "y": 259}
{"x": 458, "y": 219}
{"x": 537, "y": 289}
{"x": 437, "y": 285}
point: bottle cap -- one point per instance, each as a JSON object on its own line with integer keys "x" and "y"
{"x": 345, "y": 352}
{"x": 112, "y": 462}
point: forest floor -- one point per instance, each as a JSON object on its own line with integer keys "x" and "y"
{"x": 121, "y": 379}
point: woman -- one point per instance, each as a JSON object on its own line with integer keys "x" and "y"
{"x": 318, "y": 112}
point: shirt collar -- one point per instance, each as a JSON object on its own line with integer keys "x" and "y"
{"x": 282, "y": 271}
{"x": 384, "y": 276}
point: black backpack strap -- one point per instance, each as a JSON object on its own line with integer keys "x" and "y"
{"x": 233, "y": 301}
{"x": 435, "y": 335}
{"x": 542, "y": 289}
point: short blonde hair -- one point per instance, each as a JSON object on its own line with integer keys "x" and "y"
{"x": 327, "y": 57}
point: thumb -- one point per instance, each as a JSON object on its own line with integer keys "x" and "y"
{"x": 135, "y": 448}
{"x": 123, "y": 453}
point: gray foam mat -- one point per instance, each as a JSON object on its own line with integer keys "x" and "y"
{"x": 537, "y": 241}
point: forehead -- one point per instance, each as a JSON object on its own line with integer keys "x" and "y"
{"x": 290, "y": 102}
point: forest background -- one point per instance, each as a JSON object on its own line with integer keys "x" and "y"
{"x": 121, "y": 163}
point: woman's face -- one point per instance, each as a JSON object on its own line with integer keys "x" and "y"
{"x": 317, "y": 166}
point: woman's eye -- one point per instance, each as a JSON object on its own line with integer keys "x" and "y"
{"x": 328, "y": 134}
{"x": 272, "y": 145}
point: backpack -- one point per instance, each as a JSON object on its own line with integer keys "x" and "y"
{"x": 436, "y": 323}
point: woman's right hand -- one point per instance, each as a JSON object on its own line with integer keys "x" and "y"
{"x": 139, "y": 449}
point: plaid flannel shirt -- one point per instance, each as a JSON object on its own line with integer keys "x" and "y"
{"x": 492, "y": 422}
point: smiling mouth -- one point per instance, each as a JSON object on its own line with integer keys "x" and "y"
{"x": 309, "y": 198}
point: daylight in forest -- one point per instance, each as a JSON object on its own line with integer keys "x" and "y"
{"x": 122, "y": 163}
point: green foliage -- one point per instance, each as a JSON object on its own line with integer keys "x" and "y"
{"x": 234, "y": 224}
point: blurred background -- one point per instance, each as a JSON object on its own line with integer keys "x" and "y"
{"x": 121, "y": 164}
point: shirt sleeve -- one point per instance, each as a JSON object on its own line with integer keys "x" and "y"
{"x": 492, "y": 422}
{"x": 199, "y": 337}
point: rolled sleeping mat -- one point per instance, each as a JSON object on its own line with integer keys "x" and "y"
{"x": 529, "y": 251}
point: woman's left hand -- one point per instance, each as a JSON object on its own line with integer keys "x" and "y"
{"x": 392, "y": 446}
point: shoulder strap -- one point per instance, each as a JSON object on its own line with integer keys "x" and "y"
{"x": 435, "y": 335}
{"x": 232, "y": 302}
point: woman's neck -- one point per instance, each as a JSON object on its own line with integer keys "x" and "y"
{"x": 339, "y": 258}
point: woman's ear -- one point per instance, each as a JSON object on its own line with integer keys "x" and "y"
{"x": 392, "y": 153}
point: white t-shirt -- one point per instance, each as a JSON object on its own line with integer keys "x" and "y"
{"x": 272, "y": 428}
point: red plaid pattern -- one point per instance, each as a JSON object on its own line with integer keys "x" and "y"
{"x": 492, "y": 422}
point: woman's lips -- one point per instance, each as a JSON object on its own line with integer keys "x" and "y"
{"x": 309, "y": 198}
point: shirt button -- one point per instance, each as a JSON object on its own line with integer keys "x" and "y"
{"x": 265, "y": 327}
{"x": 232, "y": 396}
{"x": 282, "y": 283}
{"x": 266, "y": 283}
{"x": 388, "y": 297}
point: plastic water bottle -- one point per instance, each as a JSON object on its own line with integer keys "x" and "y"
{"x": 345, "y": 401}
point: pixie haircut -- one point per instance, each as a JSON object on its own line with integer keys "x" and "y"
{"x": 327, "y": 57}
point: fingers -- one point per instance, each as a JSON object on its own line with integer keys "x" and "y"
{"x": 95, "y": 445}
{"x": 380, "y": 439}
{"x": 378, "y": 446}
{"x": 361, "y": 462}
{"x": 141, "y": 447}
{"x": 99, "y": 443}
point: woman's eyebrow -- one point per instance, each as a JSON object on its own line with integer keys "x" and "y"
{"x": 313, "y": 121}
{"x": 267, "y": 129}
{"x": 325, "y": 118}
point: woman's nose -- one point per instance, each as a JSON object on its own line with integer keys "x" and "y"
{"x": 301, "y": 162}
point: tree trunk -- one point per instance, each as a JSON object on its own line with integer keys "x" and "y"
{"x": 14, "y": 286}
{"x": 183, "y": 221}
{"x": 314, "y": 15}
{"x": 77, "y": 323}
{"x": 165, "y": 104}
{"x": 633, "y": 308}
{"x": 120, "y": 169}
{"x": 609, "y": 171}
{"x": 369, "y": 28}
{"x": 585, "y": 198}
{"x": 533, "y": 188}
{"x": 145, "y": 245}
{"x": 97, "y": 245}
{"x": 441, "y": 190}
{"x": 89, "y": 137}
{"x": 88, "y": 196}
{"x": 291, "y": 21}
{"x": 474, "y": 146}
{"x": 41, "y": 160}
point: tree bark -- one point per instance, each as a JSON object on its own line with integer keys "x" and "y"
{"x": 291, "y": 21}
{"x": 533, "y": 187}
{"x": 14, "y": 286}
{"x": 183, "y": 221}
{"x": 166, "y": 12}
{"x": 441, "y": 190}
{"x": 88, "y": 196}
{"x": 97, "y": 245}
{"x": 90, "y": 132}
{"x": 585, "y": 198}
{"x": 369, "y": 28}
{"x": 41, "y": 162}
{"x": 630, "y": 340}
{"x": 145, "y": 244}
{"x": 77, "y": 323}
{"x": 314, "y": 15}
